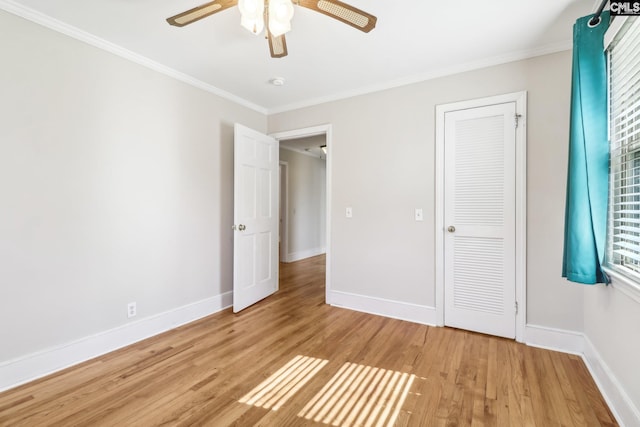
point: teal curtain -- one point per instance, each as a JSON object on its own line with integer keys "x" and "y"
{"x": 588, "y": 174}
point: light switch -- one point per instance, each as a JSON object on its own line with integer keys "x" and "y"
{"x": 349, "y": 213}
{"x": 419, "y": 216}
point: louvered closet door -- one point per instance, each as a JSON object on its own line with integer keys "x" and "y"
{"x": 479, "y": 216}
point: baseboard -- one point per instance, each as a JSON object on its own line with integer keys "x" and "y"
{"x": 384, "y": 307}
{"x": 554, "y": 339}
{"x": 28, "y": 368}
{"x": 621, "y": 405}
{"x": 307, "y": 253}
{"x": 623, "y": 408}
{"x": 33, "y": 366}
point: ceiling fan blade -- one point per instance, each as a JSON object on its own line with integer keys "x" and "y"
{"x": 277, "y": 46}
{"x": 202, "y": 11}
{"x": 346, "y": 13}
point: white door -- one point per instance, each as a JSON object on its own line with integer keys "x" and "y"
{"x": 479, "y": 219}
{"x": 255, "y": 216}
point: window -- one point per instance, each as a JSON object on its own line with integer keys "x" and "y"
{"x": 623, "y": 237}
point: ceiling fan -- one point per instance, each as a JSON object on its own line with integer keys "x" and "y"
{"x": 276, "y": 16}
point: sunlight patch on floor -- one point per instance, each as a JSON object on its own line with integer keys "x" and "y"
{"x": 360, "y": 395}
{"x": 279, "y": 387}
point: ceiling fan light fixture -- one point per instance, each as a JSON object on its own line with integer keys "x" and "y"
{"x": 279, "y": 28}
{"x": 253, "y": 8}
{"x": 252, "y": 12}
{"x": 277, "y": 15}
{"x": 280, "y": 15}
{"x": 253, "y": 25}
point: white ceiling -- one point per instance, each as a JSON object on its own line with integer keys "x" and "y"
{"x": 413, "y": 40}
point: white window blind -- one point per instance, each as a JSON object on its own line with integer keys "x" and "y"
{"x": 624, "y": 131}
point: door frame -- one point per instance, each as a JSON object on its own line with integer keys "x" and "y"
{"x": 284, "y": 200}
{"x": 520, "y": 98}
{"x": 313, "y": 131}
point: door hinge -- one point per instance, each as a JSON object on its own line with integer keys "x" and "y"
{"x": 517, "y": 119}
{"x": 516, "y": 307}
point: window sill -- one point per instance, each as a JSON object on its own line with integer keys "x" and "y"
{"x": 624, "y": 284}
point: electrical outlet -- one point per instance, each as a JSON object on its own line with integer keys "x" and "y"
{"x": 131, "y": 309}
{"x": 349, "y": 213}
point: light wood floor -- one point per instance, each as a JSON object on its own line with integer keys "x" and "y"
{"x": 354, "y": 369}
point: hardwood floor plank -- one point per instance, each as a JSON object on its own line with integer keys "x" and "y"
{"x": 590, "y": 392}
{"x": 492, "y": 369}
{"x": 504, "y": 415}
{"x": 519, "y": 401}
{"x": 555, "y": 401}
{"x": 575, "y": 412}
{"x": 197, "y": 374}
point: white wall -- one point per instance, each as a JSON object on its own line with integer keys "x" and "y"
{"x": 383, "y": 166}
{"x": 307, "y": 205}
{"x": 611, "y": 324}
{"x": 115, "y": 186}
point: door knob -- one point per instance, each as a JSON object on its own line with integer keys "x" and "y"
{"x": 451, "y": 229}
{"x": 241, "y": 227}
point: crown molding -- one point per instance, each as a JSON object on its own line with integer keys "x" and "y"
{"x": 422, "y": 77}
{"x": 32, "y": 15}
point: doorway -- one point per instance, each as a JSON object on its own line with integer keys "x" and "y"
{"x": 480, "y": 215}
{"x": 306, "y": 224}
{"x": 303, "y": 198}
{"x": 283, "y": 219}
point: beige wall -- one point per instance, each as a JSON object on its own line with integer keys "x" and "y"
{"x": 115, "y": 186}
{"x": 383, "y": 166}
